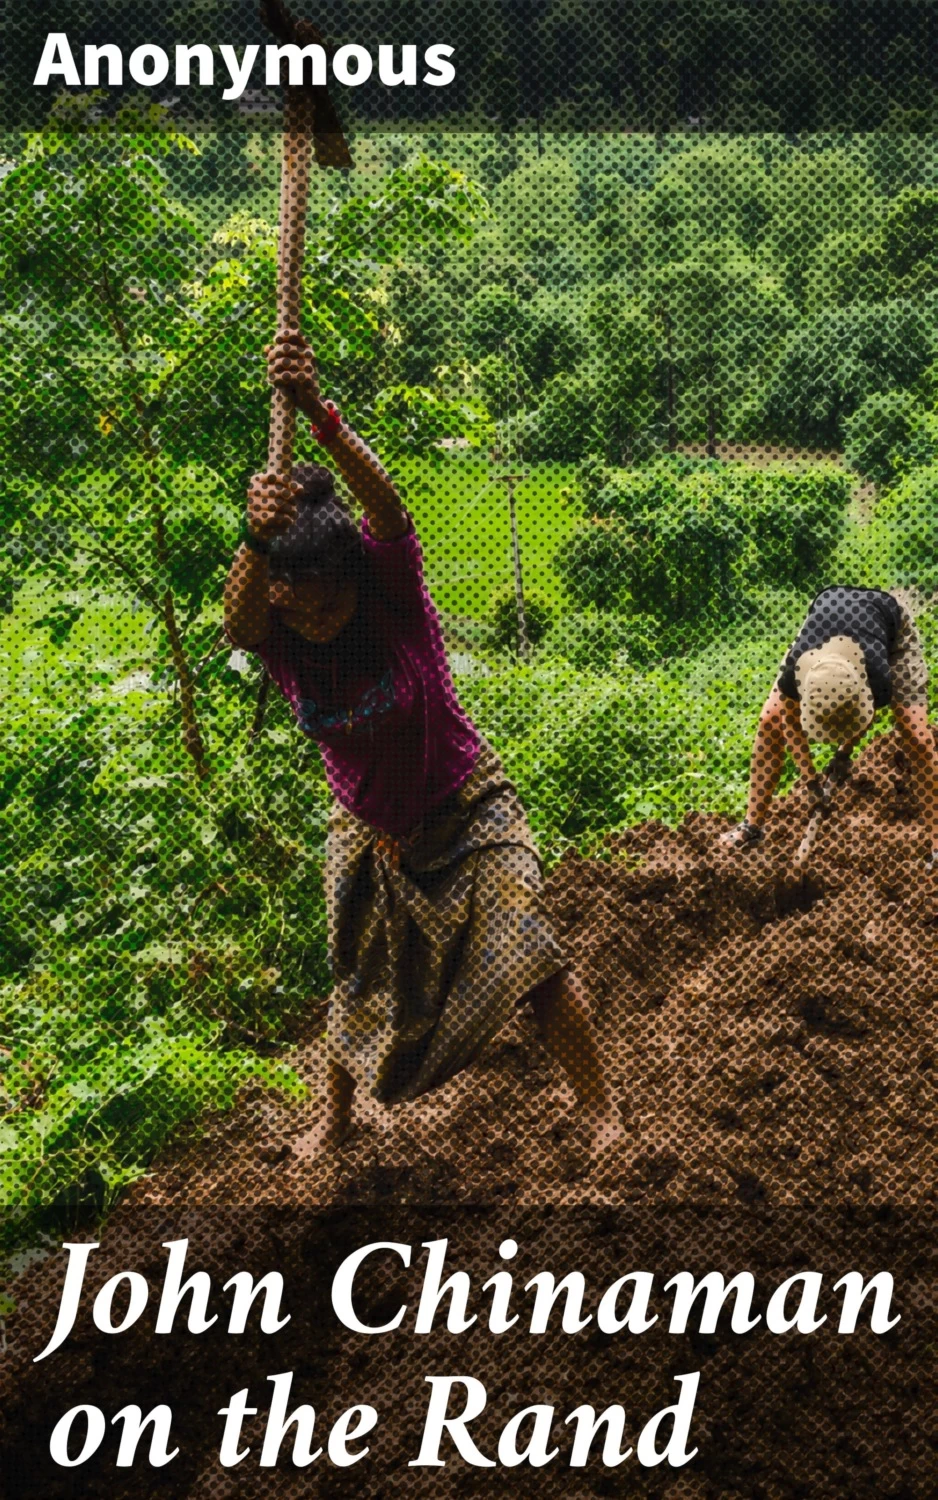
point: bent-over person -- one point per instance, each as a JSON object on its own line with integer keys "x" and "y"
{"x": 857, "y": 652}
{"x": 437, "y": 923}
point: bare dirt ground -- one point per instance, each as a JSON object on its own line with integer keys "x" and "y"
{"x": 775, "y": 1048}
{"x": 760, "y": 454}
{"x": 766, "y": 1037}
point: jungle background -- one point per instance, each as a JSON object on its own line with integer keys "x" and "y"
{"x": 710, "y": 360}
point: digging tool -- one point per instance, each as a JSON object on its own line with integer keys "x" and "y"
{"x": 803, "y": 852}
{"x": 308, "y": 119}
{"x": 836, "y": 775}
{"x": 329, "y": 143}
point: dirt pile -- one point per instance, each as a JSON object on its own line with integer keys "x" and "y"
{"x": 771, "y": 1041}
{"x": 774, "y": 1047}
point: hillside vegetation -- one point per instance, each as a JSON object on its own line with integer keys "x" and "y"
{"x": 581, "y": 318}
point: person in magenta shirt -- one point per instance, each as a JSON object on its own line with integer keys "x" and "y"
{"x": 437, "y": 924}
{"x": 399, "y": 743}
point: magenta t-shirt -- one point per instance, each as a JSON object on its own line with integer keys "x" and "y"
{"x": 394, "y": 739}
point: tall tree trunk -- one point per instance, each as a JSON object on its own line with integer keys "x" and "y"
{"x": 191, "y": 735}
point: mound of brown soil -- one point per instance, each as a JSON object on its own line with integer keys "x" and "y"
{"x": 772, "y": 1040}
{"x": 774, "y": 1047}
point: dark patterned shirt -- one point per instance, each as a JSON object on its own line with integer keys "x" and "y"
{"x": 868, "y": 616}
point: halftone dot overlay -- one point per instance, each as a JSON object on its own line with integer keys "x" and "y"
{"x": 466, "y": 666}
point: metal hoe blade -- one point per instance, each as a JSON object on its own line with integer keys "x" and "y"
{"x": 818, "y": 816}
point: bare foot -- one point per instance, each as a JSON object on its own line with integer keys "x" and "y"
{"x": 325, "y": 1137}
{"x": 335, "y": 1122}
{"x": 743, "y": 836}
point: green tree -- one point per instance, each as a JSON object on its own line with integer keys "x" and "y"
{"x": 720, "y": 318}
{"x": 909, "y": 520}
{"x": 909, "y": 240}
{"x": 878, "y": 435}
{"x": 538, "y": 618}
{"x": 846, "y": 267}
{"x": 795, "y": 520}
{"x": 494, "y": 316}
{"x": 622, "y": 375}
{"x": 133, "y": 391}
{"x": 718, "y": 189}
{"x": 661, "y": 545}
{"x": 683, "y": 542}
{"x": 562, "y": 426}
{"x": 807, "y": 186}
{"x": 830, "y": 365}
{"x": 537, "y": 208}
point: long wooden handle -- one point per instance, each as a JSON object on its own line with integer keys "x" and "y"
{"x": 810, "y": 839}
{"x": 294, "y": 199}
{"x": 815, "y": 823}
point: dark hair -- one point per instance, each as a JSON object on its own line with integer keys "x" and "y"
{"x": 324, "y": 537}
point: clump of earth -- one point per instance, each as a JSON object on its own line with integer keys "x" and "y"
{"x": 771, "y": 1037}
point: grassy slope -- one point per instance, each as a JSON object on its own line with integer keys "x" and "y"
{"x": 462, "y": 517}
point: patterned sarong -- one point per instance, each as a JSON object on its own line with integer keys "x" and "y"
{"x": 435, "y": 938}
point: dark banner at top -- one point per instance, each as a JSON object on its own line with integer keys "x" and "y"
{"x": 541, "y": 65}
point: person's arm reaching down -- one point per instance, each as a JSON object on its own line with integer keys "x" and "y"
{"x": 796, "y": 739}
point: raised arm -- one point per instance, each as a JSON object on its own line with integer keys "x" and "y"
{"x": 271, "y": 509}
{"x": 291, "y": 365}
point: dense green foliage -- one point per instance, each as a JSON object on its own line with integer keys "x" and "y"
{"x": 839, "y": 359}
{"x": 627, "y": 294}
{"x": 908, "y": 518}
{"x": 878, "y": 436}
{"x": 682, "y": 544}
{"x": 581, "y": 318}
{"x": 538, "y": 617}
{"x": 146, "y": 915}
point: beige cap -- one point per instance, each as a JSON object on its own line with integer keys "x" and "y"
{"x": 834, "y": 687}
